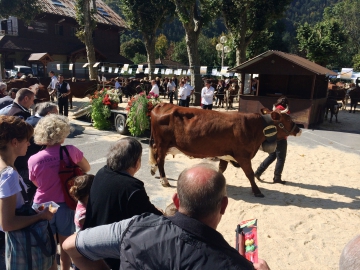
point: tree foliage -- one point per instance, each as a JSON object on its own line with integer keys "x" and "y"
{"x": 146, "y": 16}
{"x": 23, "y": 9}
{"x": 131, "y": 47}
{"x": 246, "y": 20}
{"x": 323, "y": 42}
{"x": 161, "y": 46}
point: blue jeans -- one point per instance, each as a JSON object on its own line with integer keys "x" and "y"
{"x": 279, "y": 155}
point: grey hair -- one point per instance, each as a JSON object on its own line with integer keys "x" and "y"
{"x": 44, "y": 108}
{"x": 350, "y": 256}
{"x": 124, "y": 154}
{"x": 3, "y": 86}
{"x": 201, "y": 200}
{"x": 51, "y": 129}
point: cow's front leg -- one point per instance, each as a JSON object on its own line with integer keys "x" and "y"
{"x": 163, "y": 180}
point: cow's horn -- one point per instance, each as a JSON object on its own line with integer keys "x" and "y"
{"x": 286, "y": 109}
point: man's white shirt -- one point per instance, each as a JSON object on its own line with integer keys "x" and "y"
{"x": 155, "y": 89}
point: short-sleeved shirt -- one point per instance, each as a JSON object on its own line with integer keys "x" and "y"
{"x": 155, "y": 89}
{"x": 10, "y": 185}
{"x": 207, "y": 95}
{"x": 156, "y": 242}
{"x": 44, "y": 169}
{"x": 53, "y": 82}
{"x": 189, "y": 88}
{"x": 80, "y": 214}
{"x": 183, "y": 93}
{"x": 171, "y": 86}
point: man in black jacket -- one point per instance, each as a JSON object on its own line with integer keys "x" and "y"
{"x": 62, "y": 92}
{"x": 188, "y": 240}
{"x": 24, "y": 99}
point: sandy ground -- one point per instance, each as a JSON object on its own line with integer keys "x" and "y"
{"x": 305, "y": 223}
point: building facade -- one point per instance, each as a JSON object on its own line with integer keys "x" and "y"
{"x": 54, "y": 32}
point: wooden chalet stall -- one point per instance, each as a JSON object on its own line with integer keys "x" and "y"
{"x": 302, "y": 81}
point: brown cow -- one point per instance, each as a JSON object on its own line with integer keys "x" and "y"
{"x": 354, "y": 98}
{"x": 81, "y": 89}
{"x": 234, "y": 137}
{"x": 41, "y": 93}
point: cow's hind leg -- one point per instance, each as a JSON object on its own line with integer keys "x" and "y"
{"x": 222, "y": 165}
{"x": 152, "y": 160}
{"x": 163, "y": 180}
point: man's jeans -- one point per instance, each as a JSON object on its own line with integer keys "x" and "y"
{"x": 280, "y": 155}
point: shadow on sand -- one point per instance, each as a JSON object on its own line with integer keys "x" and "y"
{"x": 281, "y": 198}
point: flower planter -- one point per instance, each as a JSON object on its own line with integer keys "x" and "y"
{"x": 114, "y": 105}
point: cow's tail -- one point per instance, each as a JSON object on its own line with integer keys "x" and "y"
{"x": 152, "y": 158}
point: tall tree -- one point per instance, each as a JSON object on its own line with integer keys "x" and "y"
{"x": 161, "y": 46}
{"x": 85, "y": 10}
{"x": 194, "y": 15}
{"x": 346, "y": 13}
{"x": 146, "y": 16}
{"x": 247, "y": 19}
{"x": 323, "y": 42}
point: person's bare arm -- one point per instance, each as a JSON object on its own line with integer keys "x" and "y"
{"x": 10, "y": 222}
{"x": 80, "y": 261}
{"x": 261, "y": 265}
{"x": 84, "y": 164}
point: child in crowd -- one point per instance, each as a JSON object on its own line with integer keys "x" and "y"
{"x": 80, "y": 191}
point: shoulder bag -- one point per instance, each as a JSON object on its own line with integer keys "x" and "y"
{"x": 67, "y": 174}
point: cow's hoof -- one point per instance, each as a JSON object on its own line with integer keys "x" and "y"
{"x": 165, "y": 184}
{"x": 259, "y": 195}
{"x": 152, "y": 172}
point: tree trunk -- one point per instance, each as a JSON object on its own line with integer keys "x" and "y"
{"x": 192, "y": 38}
{"x": 241, "y": 44}
{"x": 150, "y": 49}
{"x": 88, "y": 40}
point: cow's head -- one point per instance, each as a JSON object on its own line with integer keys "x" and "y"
{"x": 284, "y": 124}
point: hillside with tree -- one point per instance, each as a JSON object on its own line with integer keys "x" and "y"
{"x": 315, "y": 29}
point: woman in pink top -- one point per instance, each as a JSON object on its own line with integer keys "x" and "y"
{"x": 43, "y": 172}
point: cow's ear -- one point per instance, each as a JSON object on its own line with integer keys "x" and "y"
{"x": 265, "y": 111}
{"x": 275, "y": 116}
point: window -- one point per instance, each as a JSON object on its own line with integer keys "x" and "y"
{"x": 58, "y": 3}
{"x": 73, "y": 31}
{"x": 103, "y": 12}
{"x": 59, "y": 30}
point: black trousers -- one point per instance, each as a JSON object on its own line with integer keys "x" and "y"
{"x": 171, "y": 96}
{"x": 207, "y": 107}
{"x": 63, "y": 104}
{"x": 279, "y": 155}
{"x": 187, "y": 101}
{"x": 182, "y": 102}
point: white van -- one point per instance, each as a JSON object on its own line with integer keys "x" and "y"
{"x": 25, "y": 70}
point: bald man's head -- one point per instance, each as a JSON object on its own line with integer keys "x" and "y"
{"x": 200, "y": 190}
{"x": 350, "y": 256}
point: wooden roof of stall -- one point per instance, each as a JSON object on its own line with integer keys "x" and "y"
{"x": 280, "y": 63}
